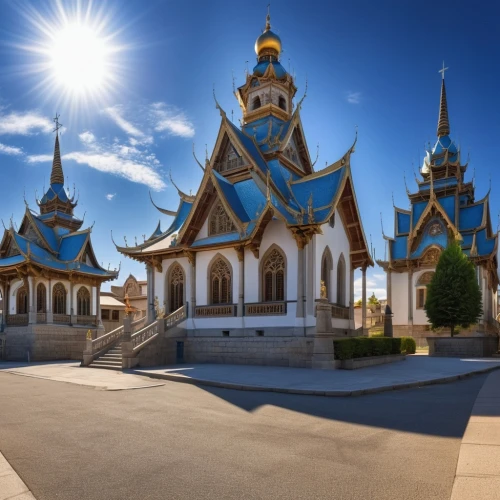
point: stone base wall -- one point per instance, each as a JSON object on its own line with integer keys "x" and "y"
{"x": 421, "y": 332}
{"x": 272, "y": 351}
{"x": 471, "y": 347}
{"x": 44, "y": 342}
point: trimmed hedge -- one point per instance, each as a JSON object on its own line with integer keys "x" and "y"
{"x": 361, "y": 347}
{"x": 408, "y": 345}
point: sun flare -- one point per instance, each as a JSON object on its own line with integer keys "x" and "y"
{"x": 79, "y": 59}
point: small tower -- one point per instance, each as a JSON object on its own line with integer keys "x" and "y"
{"x": 269, "y": 89}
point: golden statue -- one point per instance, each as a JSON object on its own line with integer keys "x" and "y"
{"x": 323, "y": 291}
{"x": 89, "y": 335}
{"x": 160, "y": 311}
{"x": 128, "y": 307}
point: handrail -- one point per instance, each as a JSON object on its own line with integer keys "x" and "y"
{"x": 138, "y": 322}
{"x": 173, "y": 319}
{"x": 104, "y": 341}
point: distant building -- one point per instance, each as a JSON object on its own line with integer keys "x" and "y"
{"x": 136, "y": 292}
{"x": 442, "y": 210}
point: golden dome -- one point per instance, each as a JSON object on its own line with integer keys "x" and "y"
{"x": 269, "y": 43}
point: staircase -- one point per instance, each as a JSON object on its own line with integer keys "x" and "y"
{"x": 112, "y": 360}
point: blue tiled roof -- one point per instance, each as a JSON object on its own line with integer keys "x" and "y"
{"x": 232, "y": 197}
{"x": 47, "y": 232}
{"x": 403, "y": 222}
{"x": 216, "y": 238}
{"x": 259, "y": 129}
{"x": 467, "y": 239}
{"x": 324, "y": 188}
{"x": 428, "y": 239}
{"x": 280, "y": 175}
{"x": 448, "y": 203}
{"x": 484, "y": 245}
{"x": 417, "y": 209}
{"x": 439, "y": 183}
{"x": 399, "y": 247}
{"x": 55, "y": 190}
{"x": 251, "y": 197}
{"x": 471, "y": 217}
{"x": 250, "y": 146}
{"x": 180, "y": 218}
{"x": 71, "y": 246}
{"x": 62, "y": 215}
{"x": 11, "y": 261}
{"x": 261, "y": 68}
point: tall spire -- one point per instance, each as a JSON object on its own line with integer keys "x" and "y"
{"x": 57, "y": 176}
{"x": 443, "y": 122}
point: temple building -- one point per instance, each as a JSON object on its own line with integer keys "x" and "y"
{"x": 442, "y": 210}
{"x": 50, "y": 278}
{"x": 246, "y": 255}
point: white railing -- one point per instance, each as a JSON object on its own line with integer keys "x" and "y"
{"x": 137, "y": 323}
{"x": 340, "y": 312}
{"x": 62, "y": 318}
{"x": 215, "y": 311}
{"x": 175, "y": 318}
{"x": 17, "y": 319}
{"x": 86, "y": 320}
{"x": 139, "y": 339}
{"x": 106, "y": 340}
{"x": 265, "y": 309}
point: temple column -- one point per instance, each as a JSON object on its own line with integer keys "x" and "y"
{"x": 7, "y": 302}
{"x": 73, "y": 320}
{"x": 300, "y": 278}
{"x": 389, "y": 288}
{"x": 3, "y": 289}
{"x": 410, "y": 301}
{"x": 50, "y": 314}
{"x": 363, "y": 297}
{"x": 192, "y": 305}
{"x": 150, "y": 317}
{"x": 241, "y": 284}
{"x": 31, "y": 302}
{"x": 351, "y": 296}
{"x": 98, "y": 304}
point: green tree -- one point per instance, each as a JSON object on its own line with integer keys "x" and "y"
{"x": 373, "y": 300}
{"x": 453, "y": 295}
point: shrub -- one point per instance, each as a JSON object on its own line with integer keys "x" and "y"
{"x": 396, "y": 345}
{"x": 408, "y": 345}
{"x": 377, "y": 335}
{"x": 343, "y": 348}
{"x": 360, "y": 347}
{"x": 381, "y": 346}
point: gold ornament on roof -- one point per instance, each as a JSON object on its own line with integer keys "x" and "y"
{"x": 269, "y": 43}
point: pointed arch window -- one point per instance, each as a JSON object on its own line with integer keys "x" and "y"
{"x": 326, "y": 272}
{"x": 41, "y": 298}
{"x": 256, "y": 103}
{"x": 341, "y": 281}
{"x": 83, "y": 302}
{"x": 176, "y": 281}
{"x": 273, "y": 277}
{"x": 220, "y": 222}
{"x": 22, "y": 300}
{"x": 282, "y": 102}
{"x": 59, "y": 299}
{"x": 221, "y": 282}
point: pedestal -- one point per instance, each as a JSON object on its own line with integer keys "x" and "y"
{"x": 323, "y": 355}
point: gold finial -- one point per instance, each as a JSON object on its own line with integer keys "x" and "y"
{"x": 443, "y": 121}
{"x": 268, "y": 17}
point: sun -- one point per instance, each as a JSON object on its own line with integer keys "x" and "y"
{"x": 79, "y": 59}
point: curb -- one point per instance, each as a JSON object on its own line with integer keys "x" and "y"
{"x": 11, "y": 485}
{"x": 312, "y": 392}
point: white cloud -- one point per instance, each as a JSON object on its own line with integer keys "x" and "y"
{"x": 87, "y": 137}
{"x": 10, "y": 150}
{"x": 110, "y": 196}
{"x": 171, "y": 120}
{"x": 27, "y": 123}
{"x": 372, "y": 286}
{"x": 38, "y": 158}
{"x": 115, "y": 113}
{"x": 353, "y": 97}
{"x": 379, "y": 276}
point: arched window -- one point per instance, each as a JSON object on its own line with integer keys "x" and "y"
{"x": 176, "y": 287}
{"x": 256, "y": 103}
{"x": 59, "y": 299}
{"x": 273, "y": 276}
{"x": 326, "y": 272}
{"x": 83, "y": 302}
{"x": 22, "y": 300}
{"x": 421, "y": 285}
{"x": 282, "y": 102}
{"x": 41, "y": 298}
{"x": 220, "y": 282}
{"x": 219, "y": 221}
{"x": 341, "y": 281}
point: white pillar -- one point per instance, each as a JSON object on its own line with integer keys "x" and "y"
{"x": 351, "y": 295}
{"x": 300, "y": 279}
{"x": 241, "y": 283}
{"x": 410, "y": 301}
{"x": 363, "y": 297}
{"x": 31, "y": 306}
{"x": 150, "y": 295}
{"x": 192, "y": 306}
{"x": 389, "y": 288}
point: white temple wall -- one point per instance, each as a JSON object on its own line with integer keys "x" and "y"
{"x": 251, "y": 283}
{"x": 336, "y": 239}
{"x": 161, "y": 285}
{"x": 400, "y": 298}
{"x": 203, "y": 232}
{"x": 14, "y": 287}
{"x": 419, "y": 315}
{"x": 203, "y": 261}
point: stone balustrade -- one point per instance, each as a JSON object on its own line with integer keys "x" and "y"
{"x": 62, "y": 318}
{"x": 86, "y": 320}
{"x": 175, "y": 318}
{"x": 41, "y": 317}
{"x": 17, "y": 319}
{"x": 265, "y": 309}
{"x": 139, "y": 338}
{"x": 95, "y": 348}
{"x": 215, "y": 311}
{"x": 340, "y": 312}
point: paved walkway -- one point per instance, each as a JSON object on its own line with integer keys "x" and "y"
{"x": 71, "y": 372}
{"x": 478, "y": 468}
{"x": 12, "y": 486}
{"x": 413, "y": 372}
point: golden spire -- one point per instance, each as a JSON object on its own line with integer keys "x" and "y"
{"x": 268, "y": 45}
{"x": 443, "y": 122}
{"x": 57, "y": 176}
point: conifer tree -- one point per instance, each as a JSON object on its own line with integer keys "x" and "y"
{"x": 453, "y": 295}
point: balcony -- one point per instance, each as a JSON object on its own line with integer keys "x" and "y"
{"x": 340, "y": 312}
{"x": 86, "y": 320}
{"x": 64, "y": 319}
{"x": 215, "y": 311}
{"x": 265, "y": 309}
{"x": 17, "y": 319}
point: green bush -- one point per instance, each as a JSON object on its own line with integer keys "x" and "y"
{"x": 360, "y": 347}
{"x": 408, "y": 345}
{"x": 377, "y": 335}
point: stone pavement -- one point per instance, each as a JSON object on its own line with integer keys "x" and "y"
{"x": 415, "y": 371}
{"x": 12, "y": 486}
{"x": 478, "y": 468}
{"x": 71, "y": 372}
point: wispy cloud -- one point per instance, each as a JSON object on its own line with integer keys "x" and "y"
{"x": 353, "y": 97}
{"x": 110, "y": 196}
{"x": 10, "y": 150}
{"x": 373, "y": 285}
{"x": 171, "y": 120}
{"x": 26, "y": 123}
{"x": 116, "y": 114}
{"x": 38, "y": 158}
{"x": 87, "y": 137}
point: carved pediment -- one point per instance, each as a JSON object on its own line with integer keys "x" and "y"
{"x": 431, "y": 257}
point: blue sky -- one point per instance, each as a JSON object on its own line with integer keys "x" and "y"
{"x": 373, "y": 65}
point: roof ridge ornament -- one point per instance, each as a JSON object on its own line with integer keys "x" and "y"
{"x": 57, "y": 176}
{"x": 443, "y": 121}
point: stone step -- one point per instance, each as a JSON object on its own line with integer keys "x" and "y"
{"x": 105, "y": 366}
{"x": 114, "y": 351}
{"x": 101, "y": 361}
{"x": 108, "y": 355}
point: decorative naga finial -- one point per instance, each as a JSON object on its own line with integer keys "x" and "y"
{"x": 443, "y": 122}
